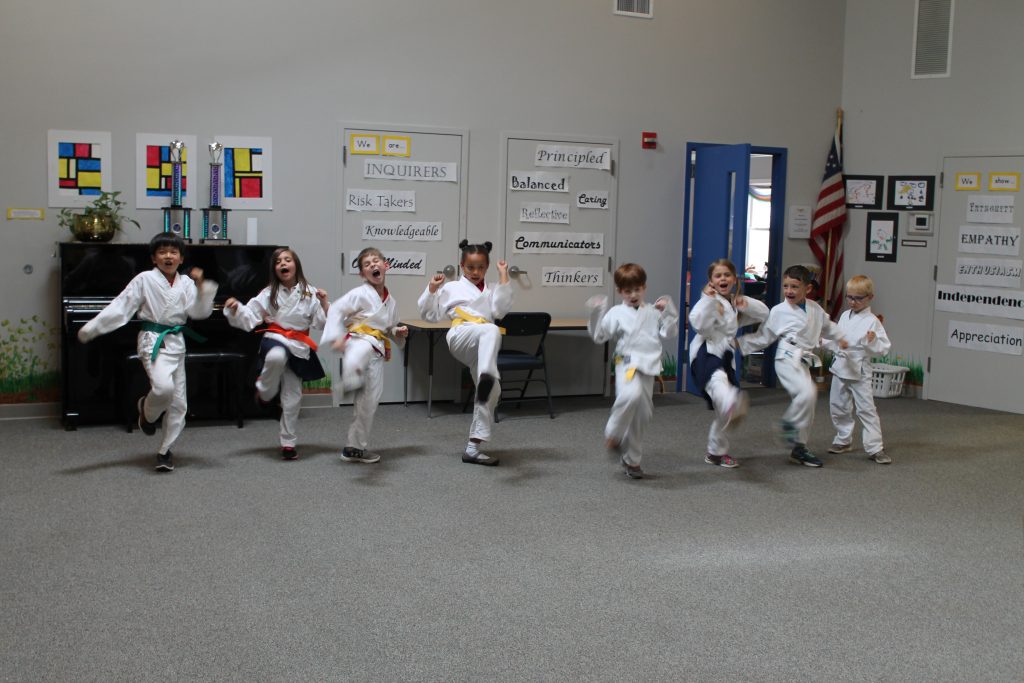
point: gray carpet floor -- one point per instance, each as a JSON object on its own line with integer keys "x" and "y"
{"x": 551, "y": 567}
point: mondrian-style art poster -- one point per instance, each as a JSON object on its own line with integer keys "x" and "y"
{"x": 78, "y": 166}
{"x": 153, "y": 170}
{"x": 247, "y": 173}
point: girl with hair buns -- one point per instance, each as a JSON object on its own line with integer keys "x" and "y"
{"x": 474, "y": 340}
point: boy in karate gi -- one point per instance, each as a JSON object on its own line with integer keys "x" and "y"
{"x": 638, "y": 329}
{"x": 164, "y": 300}
{"x": 361, "y": 325}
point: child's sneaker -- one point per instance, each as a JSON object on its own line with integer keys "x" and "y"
{"x": 289, "y": 453}
{"x": 148, "y": 428}
{"x": 881, "y": 458}
{"x": 737, "y": 411}
{"x": 840, "y": 448}
{"x": 632, "y": 471}
{"x": 721, "y": 460}
{"x": 349, "y": 454}
{"x": 788, "y": 432}
{"x": 164, "y": 463}
{"x": 803, "y": 456}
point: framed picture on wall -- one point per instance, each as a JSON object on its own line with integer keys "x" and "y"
{"x": 864, "y": 191}
{"x": 911, "y": 192}
{"x": 881, "y": 233}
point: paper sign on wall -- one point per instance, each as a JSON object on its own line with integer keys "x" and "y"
{"x": 995, "y": 303}
{"x": 397, "y": 146}
{"x": 983, "y": 208}
{"x": 988, "y": 272}
{"x": 538, "y": 181}
{"x": 403, "y": 231}
{"x": 799, "y": 221}
{"x": 573, "y": 157}
{"x": 571, "y": 276}
{"x": 363, "y": 143}
{"x": 592, "y": 199}
{"x": 399, "y": 262}
{"x": 968, "y": 181}
{"x": 558, "y": 242}
{"x": 983, "y": 337}
{"x": 983, "y": 239}
{"x": 395, "y": 169}
{"x": 543, "y": 212}
{"x": 380, "y": 200}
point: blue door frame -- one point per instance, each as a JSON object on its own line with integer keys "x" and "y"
{"x": 710, "y": 183}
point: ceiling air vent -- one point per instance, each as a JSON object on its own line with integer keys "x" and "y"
{"x": 633, "y": 8}
{"x": 933, "y": 38}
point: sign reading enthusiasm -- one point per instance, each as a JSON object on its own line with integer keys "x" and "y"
{"x": 380, "y": 200}
{"x": 558, "y": 243}
{"x": 983, "y": 239}
{"x": 988, "y": 272}
{"x": 397, "y": 169}
{"x": 400, "y": 231}
{"x": 983, "y": 208}
{"x": 399, "y": 262}
{"x": 995, "y": 303}
{"x": 543, "y": 212}
{"x": 571, "y": 276}
{"x": 573, "y": 157}
{"x": 982, "y": 337}
{"x": 538, "y": 181}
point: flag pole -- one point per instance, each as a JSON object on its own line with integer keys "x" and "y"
{"x": 828, "y": 242}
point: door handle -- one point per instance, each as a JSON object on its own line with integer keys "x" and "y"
{"x": 449, "y": 271}
{"x": 514, "y": 271}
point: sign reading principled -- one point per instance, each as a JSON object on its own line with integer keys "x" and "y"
{"x": 573, "y": 157}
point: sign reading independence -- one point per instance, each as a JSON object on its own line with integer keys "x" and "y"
{"x": 565, "y": 156}
{"x": 395, "y": 169}
{"x": 995, "y": 303}
{"x": 558, "y": 243}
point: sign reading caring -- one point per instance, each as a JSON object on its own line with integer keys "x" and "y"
{"x": 399, "y": 231}
{"x": 558, "y": 243}
{"x": 592, "y": 199}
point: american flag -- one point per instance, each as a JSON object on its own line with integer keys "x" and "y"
{"x": 827, "y": 229}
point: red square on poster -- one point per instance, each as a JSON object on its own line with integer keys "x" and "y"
{"x": 83, "y": 150}
{"x": 152, "y": 156}
{"x": 250, "y": 188}
{"x": 67, "y": 182}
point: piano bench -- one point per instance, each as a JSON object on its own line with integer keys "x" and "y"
{"x": 230, "y": 383}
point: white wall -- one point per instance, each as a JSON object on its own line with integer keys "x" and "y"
{"x": 714, "y": 70}
{"x": 895, "y": 124}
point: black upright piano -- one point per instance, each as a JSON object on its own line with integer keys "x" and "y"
{"x": 94, "y": 374}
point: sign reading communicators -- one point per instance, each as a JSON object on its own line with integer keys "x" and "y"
{"x": 558, "y": 243}
{"x": 403, "y": 231}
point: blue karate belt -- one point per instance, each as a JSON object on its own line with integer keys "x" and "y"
{"x": 165, "y": 330}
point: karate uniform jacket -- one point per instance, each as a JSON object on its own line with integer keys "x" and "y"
{"x": 297, "y": 309}
{"x": 362, "y": 305}
{"x": 798, "y": 332}
{"x": 854, "y": 362}
{"x": 490, "y": 304}
{"x": 717, "y": 328}
{"x": 638, "y": 332}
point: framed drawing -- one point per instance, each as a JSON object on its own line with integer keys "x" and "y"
{"x": 911, "y": 192}
{"x": 153, "y": 170}
{"x": 77, "y": 165}
{"x": 248, "y": 172}
{"x": 881, "y": 236}
{"x": 864, "y": 191}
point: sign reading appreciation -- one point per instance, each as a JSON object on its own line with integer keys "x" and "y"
{"x": 380, "y": 200}
{"x": 989, "y": 272}
{"x": 398, "y": 169}
{"x": 399, "y": 262}
{"x": 571, "y": 276}
{"x": 566, "y": 156}
{"x": 558, "y": 243}
{"x": 983, "y": 208}
{"x": 982, "y": 337}
{"x": 403, "y": 231}
{"x": 538, "y": 181}
{"x": 984, "y": 239}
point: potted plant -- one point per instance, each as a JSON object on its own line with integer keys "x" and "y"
{"x": 99, "y": 221}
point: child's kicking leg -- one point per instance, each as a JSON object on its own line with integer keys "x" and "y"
{"x": 730, "y": 404}
{"x": 268, "y": 384}
{"x": 364, "y": 407}
{"x": 291, "y": 404}
{"x": 354, "y": 361}
{"x": 796, "y": 421}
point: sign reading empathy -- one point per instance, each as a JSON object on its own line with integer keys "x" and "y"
{"x": 988, "y": 272}
{"x": 566, "y": 156}
{"x": 977, "y": 239}
{"x": 571, "y": 276}
{"x": 538, "y": 181}
{"x": 983, "y": 208}
{"x": 558, "y": 242}
{"x": 982, "y": 337}
{"x": 396, "y": 169}
{"x": 399, "y": 262}
{"x": 402, "y": 231}
{"x": 542, "y": 212}
{"x": 380, "y": 200}
{"x": 995, "y": 303}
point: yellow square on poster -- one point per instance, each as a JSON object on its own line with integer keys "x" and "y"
{"x": 243, "y": 160}
{"x": 397, "y": 146}
{"x": 363, "y": 143}
{"x": 153, "y": 178}
{"x": 1004, "y": 182}
{"x": 89, "y": 179}
{"x": 62, "y": 168}
{"x": 968, "y": 181}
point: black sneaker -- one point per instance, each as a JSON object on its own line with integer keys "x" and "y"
{"x": 349, "y": 454}
{"x": 803, "y": 456}
{"x": 632, "y": 471}
{"x": 148, "y": 428}
{"x": 484, "y": 388}
{"x": 479, "y": 459}
{"x": 289, "y": 453}
{"x": 163, "y": 462}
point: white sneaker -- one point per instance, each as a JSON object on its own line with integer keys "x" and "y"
{"x": 840, "y": 448}
{"x": 881, "y": 458}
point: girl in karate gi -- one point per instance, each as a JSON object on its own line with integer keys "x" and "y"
{"x": 851, "y": 370}
{"x": 361, "y": 325}
{"x": 287, "y": 308}
{"x": 798, "y": 324}
{"x": 164, "y": 300}
{"x": 474, "y": 339}
{"x": 638, "y": 329}
{"x": 721, "y": 311}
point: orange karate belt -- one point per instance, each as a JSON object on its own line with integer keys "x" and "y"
{"x": 297, "y": 335}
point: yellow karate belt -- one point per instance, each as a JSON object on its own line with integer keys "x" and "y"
{"x": 630, "y": 371}
{"x": 462, "y": 317}
{"x": 362, "y": 328}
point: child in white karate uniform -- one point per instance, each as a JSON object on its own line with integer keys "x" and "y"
{"x": 361, "y": 325}
{"x": 720, "y": 312}
{"x": 474, "y": 340}
{"x": 851, "y": 370}
{"x": 289, "y": 307}
{"x": 798, "y": 324}
{"x": 638, "y": 329}
{"x": 164, "y": 300}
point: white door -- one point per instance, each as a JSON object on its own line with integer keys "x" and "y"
{"x": 403, "y": 190}
{"x": 979, "y": 303}
{"x": 560, "y": 205}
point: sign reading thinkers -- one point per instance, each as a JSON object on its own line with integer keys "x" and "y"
{"x": 558, "y": 243}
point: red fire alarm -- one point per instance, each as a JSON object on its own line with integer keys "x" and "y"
{"x": 649, "y": 140}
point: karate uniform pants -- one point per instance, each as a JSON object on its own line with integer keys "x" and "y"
{"x": 167, "y": 393}
{"x": 723, "y": 397}
{"x": 631, "y": 413}
{"x": 276, "y": 377}
{"x": 847, "y": 394}
{"x": 476, "y": 346}
{"x": 796, "y": 379}
{"x": 362, "y": 367}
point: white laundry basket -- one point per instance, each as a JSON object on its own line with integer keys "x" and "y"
{"x": 887, "y": 380}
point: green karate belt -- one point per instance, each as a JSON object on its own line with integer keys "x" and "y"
{"x": 164, "y": 330}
